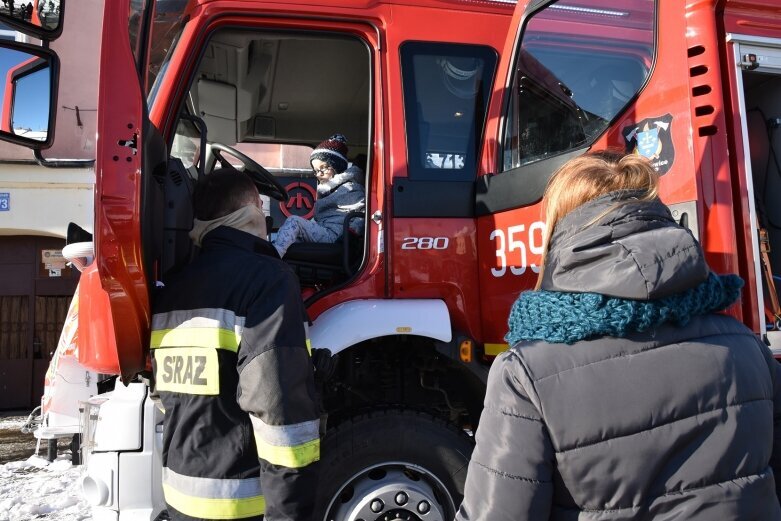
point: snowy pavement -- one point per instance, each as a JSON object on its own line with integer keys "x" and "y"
{"x": 34, "y": 489}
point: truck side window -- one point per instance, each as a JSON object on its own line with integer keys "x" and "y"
{"x": 579, "y": 66}
{"x": 165, "y": 28}
{"x": 446, "y": 90}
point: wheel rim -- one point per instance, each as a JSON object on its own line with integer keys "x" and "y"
{"x": 391, "y": 491}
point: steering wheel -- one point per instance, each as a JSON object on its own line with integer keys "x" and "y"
{"x": 265, "y": 181}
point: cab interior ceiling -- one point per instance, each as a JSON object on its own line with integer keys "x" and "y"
{"x": 762, "y": 93}
{"x": 278, "y": 87}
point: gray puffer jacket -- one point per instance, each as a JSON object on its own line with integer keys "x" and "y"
{"x": 677, "y": 420}
{"x": 340, "y": 195}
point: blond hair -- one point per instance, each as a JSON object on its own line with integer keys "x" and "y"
{"x": 589, "y": 176}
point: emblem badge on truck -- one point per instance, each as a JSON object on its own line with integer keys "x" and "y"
{"x": 651, "y": 138}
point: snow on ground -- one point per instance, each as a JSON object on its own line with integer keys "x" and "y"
{"x": 33, "y": 488}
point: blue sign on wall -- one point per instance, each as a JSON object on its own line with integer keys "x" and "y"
{"x": 5, "y": 201}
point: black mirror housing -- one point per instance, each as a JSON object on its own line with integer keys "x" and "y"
{"x": 39, "y": 18}
{"x": 28, "y": 94}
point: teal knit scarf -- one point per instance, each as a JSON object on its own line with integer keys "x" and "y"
{"x": 559, "y": 317}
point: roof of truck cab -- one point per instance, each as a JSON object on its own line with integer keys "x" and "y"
{"x": 498, "y": 6}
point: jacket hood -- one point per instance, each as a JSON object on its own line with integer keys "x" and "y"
{"x": 619, "y": 246}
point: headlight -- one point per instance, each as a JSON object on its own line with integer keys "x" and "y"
{"x": 95, "y": 490}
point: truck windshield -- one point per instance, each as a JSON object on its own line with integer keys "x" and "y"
{"x": 579, "y": 65}
{"x": 167, "y": 22}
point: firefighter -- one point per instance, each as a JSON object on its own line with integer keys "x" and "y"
{"x": 231, "y": 366}
{"x": 626, "y": 395}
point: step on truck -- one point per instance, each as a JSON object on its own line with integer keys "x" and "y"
{"x": 458, "y": 112}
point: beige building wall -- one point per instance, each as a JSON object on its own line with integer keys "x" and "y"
{"x": 44, "y": 200}
{"x": 35, "y": 285}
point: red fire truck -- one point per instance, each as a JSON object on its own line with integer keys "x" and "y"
{"x": 458, "y": 111}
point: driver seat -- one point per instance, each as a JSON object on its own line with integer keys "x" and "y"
{"x": 317, "y": 263}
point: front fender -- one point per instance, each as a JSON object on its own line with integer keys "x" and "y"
{"x": 352, "y": 322}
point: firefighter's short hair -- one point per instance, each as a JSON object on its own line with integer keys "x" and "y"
{"x": 223, "y": 192}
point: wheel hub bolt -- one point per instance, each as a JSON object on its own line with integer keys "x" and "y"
{"x": 401, "y": 498}
{"x": 376, "y": 506}
{"x": 423, "y": 507}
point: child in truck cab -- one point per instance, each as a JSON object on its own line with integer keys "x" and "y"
{"x": 339, "y": 191}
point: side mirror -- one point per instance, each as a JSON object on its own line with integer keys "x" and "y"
{"x": 39, "y": 18}
{"x": 29, "y": 75}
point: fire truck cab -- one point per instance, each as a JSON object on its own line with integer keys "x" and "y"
{"x": 457, "y": 112}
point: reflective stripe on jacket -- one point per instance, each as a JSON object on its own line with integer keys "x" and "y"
{"x": 234, "y": 375}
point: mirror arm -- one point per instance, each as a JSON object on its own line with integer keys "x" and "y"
{"x": 62, "y": 163}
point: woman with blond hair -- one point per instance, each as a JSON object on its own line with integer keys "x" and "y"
{"x": 625, "y": 394}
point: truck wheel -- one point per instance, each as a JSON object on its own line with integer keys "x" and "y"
{"x": 394, "y": 464}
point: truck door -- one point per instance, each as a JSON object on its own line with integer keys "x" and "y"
{"x": 576, "y": 74}
{"x": 127, "y": 148}
{"x": 446, "y": 88}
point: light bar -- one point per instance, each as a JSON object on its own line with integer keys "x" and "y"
{"x": 590, "y": 10}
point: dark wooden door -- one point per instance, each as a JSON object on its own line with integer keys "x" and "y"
{"x": 34, "y": 294}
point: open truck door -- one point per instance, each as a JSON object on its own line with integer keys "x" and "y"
{"x": 122, "y": 191}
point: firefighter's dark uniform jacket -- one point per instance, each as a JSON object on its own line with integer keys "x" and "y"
{"x": 673, "y": 422}
{"x": 231, "y": 366}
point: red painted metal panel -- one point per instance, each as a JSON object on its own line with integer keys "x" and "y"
{"x": 97, "y": 340}
{"x": 709, "y": 139}
{"x": 743, "y": 228}
{"x": 437, "y": 258}
{"x": 510, "y": 249}
{"x": 117, "y": 196}
{"x": 755, "y": 17}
